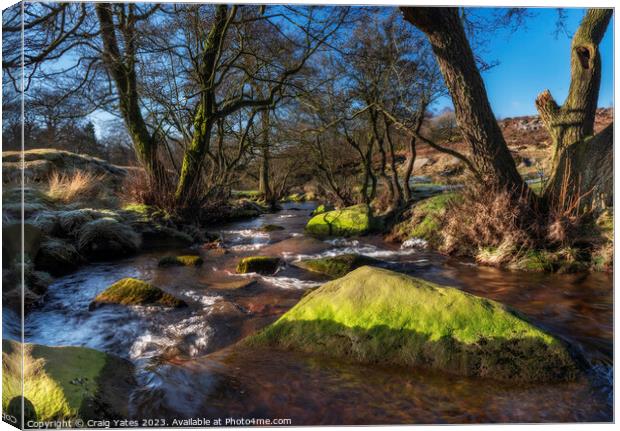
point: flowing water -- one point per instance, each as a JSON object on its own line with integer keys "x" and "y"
{"x": 187, "y": 368}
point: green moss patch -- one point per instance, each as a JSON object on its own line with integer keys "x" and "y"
{"x": 65, "y": 382}
{"x": 187, "y": 260}
{"x": 423, "y": 220}
{"x": 130, "y": 291}
{"x": 337, "y": 266}
{"x": 350, "y": 221}
{"x": 260, "y": 264}
{"x": 322, "y": 209}
{"x": 374, "y": 315}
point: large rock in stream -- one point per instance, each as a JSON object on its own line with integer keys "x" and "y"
{"x": 62, "y": 383}
{"x": 350, "y": 221}
{"x": 373, "y": 315}
{"x": 337, "y": 266}
{"x": 131, "y": 291}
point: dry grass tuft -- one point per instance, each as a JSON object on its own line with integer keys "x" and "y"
{"x": 80, "y": 185}
{"x": 490, "y": 219}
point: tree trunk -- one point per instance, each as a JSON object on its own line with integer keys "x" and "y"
{"x": 411, "y": 156}
{"x": 122, "y": 69}
{"x": 473, "y": 112}
{"x": 205, "y": 114}
{"x": 264, "y": 187}
{"x": 584, "y": 176}
{"x": 397, "y": 198}
{"x": 573, "y": 122}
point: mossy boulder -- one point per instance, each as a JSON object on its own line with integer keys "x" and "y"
{"x": 337, "y": 266}
{"x": 271, "y": 228}
{"x": 350, "y": 221}
{"x": 57, "y": 256}
{"x": 107, "y": 238}
{"x": 62, "y": 383}
{"x": 131, "y": 291}
{"x": 260, "y": 264}
{"x": 424, "y": 220}
{"x": 323, "y": 208}
{"x": 374, "y": 315}
{"x": 185, "y": 260}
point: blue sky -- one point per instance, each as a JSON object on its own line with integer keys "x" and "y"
{"x": 533, "y": 59}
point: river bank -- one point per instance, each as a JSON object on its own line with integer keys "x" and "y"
{"x": 187, "y": 363}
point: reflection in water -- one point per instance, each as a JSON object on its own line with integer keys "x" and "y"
{"x": 187, "y": 368}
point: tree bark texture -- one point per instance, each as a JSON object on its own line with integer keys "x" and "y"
{"x": 122, "y": 69}
{"x": 474, "y": 117}
{"x": 582, "y": 166}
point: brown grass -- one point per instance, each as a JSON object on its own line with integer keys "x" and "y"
{"x": 80, "y": 185}
{"x": 484, "y": 218}
{"x": 139, "y": 188}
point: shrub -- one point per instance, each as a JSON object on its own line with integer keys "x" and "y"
{"x": 79, "y": 185}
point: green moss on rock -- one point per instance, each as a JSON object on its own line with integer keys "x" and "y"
{"x": 322, "y": 209}
{"x": 186, "y": 260}
{"x": 337, "y": 266}
{"x": 350, "y": 221}
{"x": 374, "y": 315}
{"x": 65, "y": 382}
{"x": 260, "y": 264}
{"x": 130, "y": 291}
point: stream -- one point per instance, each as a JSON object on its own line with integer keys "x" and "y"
{"x": 186, "y": 366}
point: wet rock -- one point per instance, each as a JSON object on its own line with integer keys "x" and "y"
{"x": 337, "y": 266}
{"x": 299, "y": 244}
{"x": 156, "y": 236}
{"x": 226, "y": 310}
{"x": 58, "y": 257}
{"x": 260, "y": 264}
{"x": 185, "y": 260}
{"x": 131, "y": 291}
{"x": 350, "y": 221}
{"x": 374, "y": 315}
{"x": 66, "y": 382}
{"x": 232, "y": 284}
{"x": 107, "y": 238}
{"x": 270, "y": 228}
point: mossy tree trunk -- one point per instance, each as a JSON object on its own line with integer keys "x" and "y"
{"x": 205, "y": 116}
{"x": 264, "y": 186}
{"x": 474, "y": 117}
{"x": 121, "y": 67}
{"x": 581, "y": 167}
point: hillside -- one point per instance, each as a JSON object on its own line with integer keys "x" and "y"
{"x": 526, "y": 137}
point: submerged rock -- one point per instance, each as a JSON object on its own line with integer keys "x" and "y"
{"x": 185, "y": 260}
{"x": 350, "y": 221}
{"x": 107, "y": 238}
{"x": 337, "y": 266}
{"x": 260, "y": 264}
{"x": 130, "y": 291}
{"x": 374, "y": 315}
{"x": 156, "y": 236}
{"x": 270, "y": 228}
{"x": 65, "y": 382}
